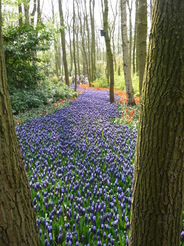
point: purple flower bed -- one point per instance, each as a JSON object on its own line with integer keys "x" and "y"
{"x": 80, "y": 168}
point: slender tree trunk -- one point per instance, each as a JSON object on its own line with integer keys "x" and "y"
{"x": 71, "y": 53}
{"x": 20, "y": 13}
{"x": 17, "y": 217}
{"x": 33, "y": 13}
{"x": 158, "y": 185}
{"x": 135, "y": 37}
{"x": 63, "y": 43}
{"x": 38, "y": 12}
{"x": 151, "y": 5}
{"x": 88, "y": 45}
{"x": 74, "y": 52}
{"x": 110, "y": 65}
{"x": 126, "y": 63}
{"x": 141, "y": 38}
{"x": 26, "y": 11}
{"x": 78, "y": 57}
{"x": 93, "y": 55}
{"x": 130, "y": 31}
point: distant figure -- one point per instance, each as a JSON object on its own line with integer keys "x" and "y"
{"x": 86, "y": 80}
{"x": 73, "y": 79}
{"x": 78, "y": 80}
{"x": 82, "y": 79}
{"x": 61, "y": 78}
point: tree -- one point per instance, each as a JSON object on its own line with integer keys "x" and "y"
{"x": 93, "y": 51}
{"x": 110, "y": 65}
{"x": 63, "y": 42}
{"x": 20, "y": 13}
{"x": 158, "y": 185}
{"x": 26, "y": 10}
{"x": 74, "y": 52}
{"x": 126, "y": 63}
{"x": 17, "y": 220}
{"x": 141, "y": 39}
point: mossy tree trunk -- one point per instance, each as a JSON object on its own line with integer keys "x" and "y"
{"x": 126, "y": 63}
{"x": 17, "y": 217}
{"x": 158, "y": 185}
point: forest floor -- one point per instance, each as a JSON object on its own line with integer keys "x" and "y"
{"x": 79, "y": 161}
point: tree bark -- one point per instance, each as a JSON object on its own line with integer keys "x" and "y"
{"x": 126, "y": 63}
{"x": 158, "y": 184}
{"x": 33, "y": 13}
{"x": 141, "y": 39}
{"x": 74, "y": 52}
{"x": 63, "y": 42}
{"x": 93, "y": 52}
{"x": 130, "y": 30}
{"x": 26, "y": 11}
{"x": 20, "y": 13}
{"x": 17, "y": 217}
{"x": 110, "y": 65}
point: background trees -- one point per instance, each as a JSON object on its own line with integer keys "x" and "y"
{"x": 157, "y": 199}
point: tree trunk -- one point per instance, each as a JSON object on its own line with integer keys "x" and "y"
{"x": 110, "y": 65}
{"x": 158, "y": 185}
{"x": 135, "y": 37}
{"x": 63, "y": 42}
{"x": 74, "y": 53}
{"x": 141, "y": 39}
{"x": 17, "y": 217}
{"x": 33, "y": 13}
{"x": 88, "y": 44}
{"x": 126, "y": 63}
{"x": 20, "y": 13}
{"x": 130, "y": 31}
{"x": 93, "y": 53}
{"x": 26, "y": 11}
{"x": 78, "y": 57}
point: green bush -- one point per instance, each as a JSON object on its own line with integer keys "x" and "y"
{"x": 22, "y": 100}
{"x": 119, "y": 83}
{"x": 51, "y": 91}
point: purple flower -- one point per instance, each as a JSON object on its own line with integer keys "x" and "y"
{"x": 182, "y": 236}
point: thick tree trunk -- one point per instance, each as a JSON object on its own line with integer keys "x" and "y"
{"x": 141, "y": 39}
{"x": 126, "y": 63}
{"x": 63, "y": 43}
{"x": 17, "y": 217}
{"x": 110, "y": 65}
{"x": 158, "y": 186}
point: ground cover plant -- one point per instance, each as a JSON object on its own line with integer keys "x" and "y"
{"x": 80, "y": 167}
{"x": 80, "y": 170}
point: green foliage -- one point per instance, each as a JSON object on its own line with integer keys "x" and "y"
{"x": 22, "y": 100}
{"x": 48, "y": 92}
{"x": 119, "y": 83}
{"x": 55, "y": 90}
{"x": 20, "y": 45}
